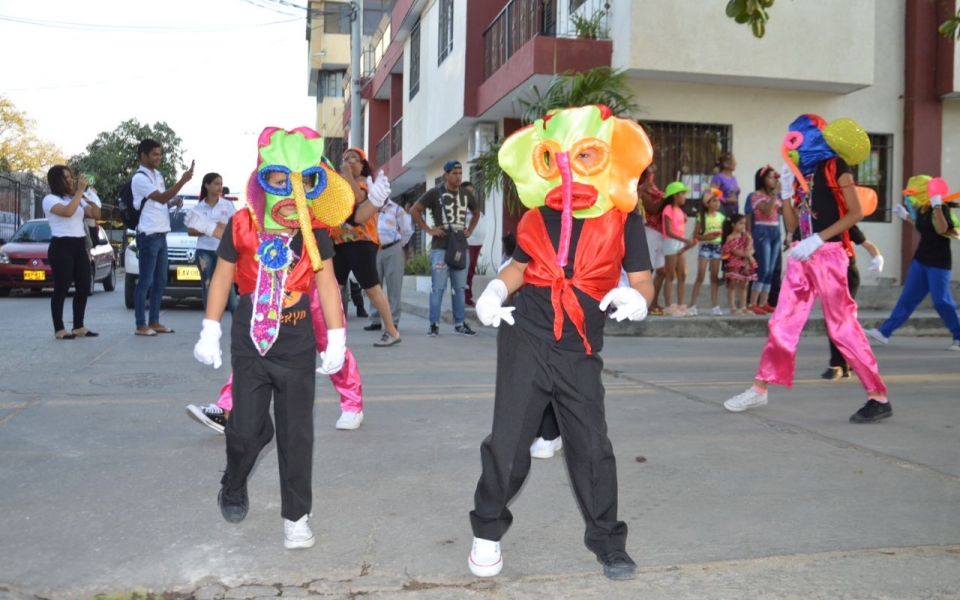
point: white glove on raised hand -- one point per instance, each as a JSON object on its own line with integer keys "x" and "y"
{"x": 936, "y": 201}
{"x": 805, "y": 248}
{"x": 331, "y": 359}
{"x": 901, "y": 211}
{"x": 201, "y": 223}
{"x": 786, "y": 182}
{"x": 629, "y": 302}
{"x": 378, "y": 191}
{"x": 490, "y": 308}
{"x": 207, "y": 349}
{"x": 876, "y": 264}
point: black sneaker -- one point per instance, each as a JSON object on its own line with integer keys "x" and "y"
{"x": 618, "y": 566}
{"x": 834, "y": 373}
{"x": 362, "y": 313}
{"x": 212, "y": 416}
{"x": 233, "y": 503}
{"x": 434, "y": 330}
{"x": 373, "y": 327}
{"x": 464, "y": 329}
{"x": 872, "y": 412}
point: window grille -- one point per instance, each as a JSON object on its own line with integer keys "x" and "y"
{"x": 875, "y": 173}
{"x": 446, "y": 30}
{"x": 415, "y": 60}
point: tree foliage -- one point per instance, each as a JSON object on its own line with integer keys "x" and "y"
{"x": 21, "y": 149}
{"x": 112, "y": 157}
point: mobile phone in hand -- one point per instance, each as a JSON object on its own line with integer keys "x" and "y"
{"x": 192, "y": 162}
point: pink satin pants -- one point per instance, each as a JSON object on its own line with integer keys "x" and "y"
{"x": 346, "y": 381}
{"x": 823, "y": 276}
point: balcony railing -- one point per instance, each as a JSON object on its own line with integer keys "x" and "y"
{"x": 383, "y": 150}
{"x": 396, "y": 133}
{"x": 517, "y": 23}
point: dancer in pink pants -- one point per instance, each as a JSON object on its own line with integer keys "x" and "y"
{"x": 346, "y": 381}
{"x": 824, "y": 205}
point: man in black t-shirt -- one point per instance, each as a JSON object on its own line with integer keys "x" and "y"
{"x": 932, "y": 262}
{"x": 448, "y": 205}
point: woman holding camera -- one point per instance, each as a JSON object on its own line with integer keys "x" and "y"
{"x": 66, "y": 208}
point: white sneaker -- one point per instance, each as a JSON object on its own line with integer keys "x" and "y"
{"x": 715, "y": 311}
{"x": 955, "y": 346}
{"x": 542, "y": 448}
{"x": 485, "y": 559}
{"x": 875, "y": 334}
{"x": 692, "y": 311}
{"x": 748, "y": 399}
{"x": 297, "y": 534}
{"x": 350, "y": 420}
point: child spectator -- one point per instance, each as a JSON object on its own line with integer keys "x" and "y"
{"x": 674, "y": 245}
{"x": 709, "y": 231}
{"x": 741, "y": 266}
{"x": 727, "y": 183}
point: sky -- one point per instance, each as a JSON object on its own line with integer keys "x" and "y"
{"x": 216, "y": 71}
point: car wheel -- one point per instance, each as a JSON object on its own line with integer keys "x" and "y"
{"x": 4, "y": 292}
{"x": 129, "y": 285}
{"x": 110, "y": 283}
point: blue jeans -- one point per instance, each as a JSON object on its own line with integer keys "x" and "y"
{"x": 152, "y": 249}
{"x": 206, "y": 261}
{"x": 922, "y": 280}
{"x": 439, "y": 271}
{"x": 766, "y": 247}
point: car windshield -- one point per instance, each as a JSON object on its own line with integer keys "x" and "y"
{"x": 176, "y": 220}
{"x": 33, "y": 232}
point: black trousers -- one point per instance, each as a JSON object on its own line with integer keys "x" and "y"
{"x": 532, "y": 374}
{"x": 70, "y": 264}
{"x": 853, "y": 284}
{"x": 255, "y": 382}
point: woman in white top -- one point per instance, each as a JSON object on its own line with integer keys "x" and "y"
{"x": 66, "y": 208}
{"x": 215, "y": 212}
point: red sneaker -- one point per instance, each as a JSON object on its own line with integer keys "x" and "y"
{"x": 756, "y": 310}
{"x": 769, "y": 309}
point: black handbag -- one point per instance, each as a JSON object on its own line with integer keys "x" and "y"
{"x": 457, "y": 249}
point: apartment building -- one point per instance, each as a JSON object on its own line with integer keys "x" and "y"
{"x": 448, "y": 73}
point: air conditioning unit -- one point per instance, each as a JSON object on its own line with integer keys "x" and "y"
{"x": 481, "y": 136}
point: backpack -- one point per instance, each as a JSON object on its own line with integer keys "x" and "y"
{"x": 129, "y": 213}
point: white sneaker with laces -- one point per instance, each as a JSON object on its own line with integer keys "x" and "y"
{"x": 542, "y": 448}
{"x": 716, "y": 311}
{"x": 955, "y": 346}
{"x": 748, "y": 399}
{"x": 692, "y": 311}
{"x": 875, "y": 334}
{"x": 297, "y": 534}
{"x": 350, "y": 420}
{"x": 485, "y": 559}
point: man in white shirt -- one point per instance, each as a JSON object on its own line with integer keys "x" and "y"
{"x": 395, "y": 228}
{"x": 153, "y": 199}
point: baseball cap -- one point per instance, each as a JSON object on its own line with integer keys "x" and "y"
{"x": 675, "y": 188}
{"x": 450, "y": 165}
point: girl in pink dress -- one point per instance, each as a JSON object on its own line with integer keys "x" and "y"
{"x": 741, "y": 265}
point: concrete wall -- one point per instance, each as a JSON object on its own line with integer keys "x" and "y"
{"x": 950, "y": 169}
{"x": 759, "y": 116}
{"x": 438, "y": 105}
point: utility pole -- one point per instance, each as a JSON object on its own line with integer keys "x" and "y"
{"x": 356, "y": 33}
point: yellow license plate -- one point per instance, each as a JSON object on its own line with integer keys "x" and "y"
{"x": 188, "y": 274}
{"x": 34, "y": 275}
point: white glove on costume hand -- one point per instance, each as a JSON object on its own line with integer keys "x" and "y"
{"x": 201, "y": 223}
{"x": 331, "y": 359}
{"x": 936, "y": 201}
{"x": 207, "y": 349}
{"x": 629, "y": 302}
{"x": 378, "y": 191}
{"x": 901, "y": 211}
{"x": 489, "y": 305}
{"x": 805, "y": 249}
{"x": 786, "y": 182}
{"x": 876, "y": 265}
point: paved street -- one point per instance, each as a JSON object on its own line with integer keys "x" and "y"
{"x": 107, "y": 487}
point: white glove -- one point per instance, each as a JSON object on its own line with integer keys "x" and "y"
{"x": 805, "y": 249}
{"x": 936, "y": 201}
{"x": 201, "y": 223}
{"x": 876, "y": 265}
{"x": 630, "y": 304}
{"x": 786, "y": 182}
{"x": 378, "y": 191}
{"x": 207, "y": 349}
{"x": 901, "y": 211}
{"x": 489, "y": 305}
{"x": 331, "y": 359}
